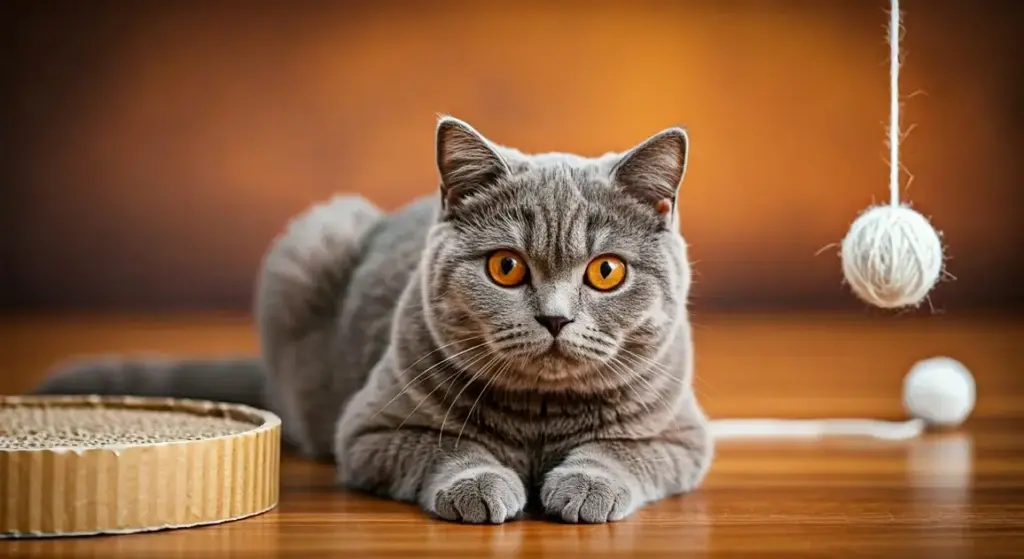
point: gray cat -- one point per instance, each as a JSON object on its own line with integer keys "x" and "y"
{"x": 521, "y": 338}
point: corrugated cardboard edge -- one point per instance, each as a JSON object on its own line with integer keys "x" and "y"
{"x": 136, "y": 488}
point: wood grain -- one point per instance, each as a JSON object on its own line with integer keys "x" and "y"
{"x": 954, "y": 494}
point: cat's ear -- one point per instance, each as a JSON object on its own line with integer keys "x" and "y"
{"x": 653, "y": 171}
{"x": 466, "y": 161}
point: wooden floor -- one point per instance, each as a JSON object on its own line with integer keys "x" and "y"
{"x": 958, "y": 494}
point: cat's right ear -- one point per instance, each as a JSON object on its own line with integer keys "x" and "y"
{"x": 466, "y": 161}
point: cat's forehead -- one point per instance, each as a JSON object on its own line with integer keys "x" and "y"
{"x": 554, "y": 164}
{"x": 558, "y": 187}
{"x": 559, "y": 210}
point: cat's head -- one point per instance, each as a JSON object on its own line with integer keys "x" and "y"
{"x": 555, "y": 270}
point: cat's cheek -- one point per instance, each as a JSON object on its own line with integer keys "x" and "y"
{"x": 621, "y": 311}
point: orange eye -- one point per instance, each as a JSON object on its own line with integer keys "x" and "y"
{"x": 506, "y": 268}
{"x": 605, "y": 273}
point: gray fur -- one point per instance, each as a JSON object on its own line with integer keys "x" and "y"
{"x": 388, "y": 348}
{"x": 236, "y": 380}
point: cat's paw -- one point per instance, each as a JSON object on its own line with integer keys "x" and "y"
{"x": 482, "y": 495}
{"x": 587, "y": 495}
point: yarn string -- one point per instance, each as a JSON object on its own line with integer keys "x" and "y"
{"x": 894, "y": 102}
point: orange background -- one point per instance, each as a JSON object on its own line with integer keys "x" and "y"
{"x": 158, "y": 147}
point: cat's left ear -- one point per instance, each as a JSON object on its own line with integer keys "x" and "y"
{"x": 652, "y": 172}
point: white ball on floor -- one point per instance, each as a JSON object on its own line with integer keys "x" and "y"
{"x": 939, "y": 390}
{"x": 892, "y": 257}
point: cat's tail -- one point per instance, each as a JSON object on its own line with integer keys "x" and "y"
{"x": 234, "y": 380}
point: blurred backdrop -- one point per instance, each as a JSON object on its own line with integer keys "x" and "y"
{"x": 154, "y": 148}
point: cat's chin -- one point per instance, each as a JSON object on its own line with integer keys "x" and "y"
{"x": 556, "y": 368}
{"x": 559, "y": 356}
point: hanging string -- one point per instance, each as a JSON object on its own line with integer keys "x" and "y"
{"x": 894, "y": 103}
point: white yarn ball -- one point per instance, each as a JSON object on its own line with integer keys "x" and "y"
{"x": 939, "y": 390}
{"x": 892, "y": 256}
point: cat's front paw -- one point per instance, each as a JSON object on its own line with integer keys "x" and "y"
{"x": 487, "y": 494}
{"x": 587, "y": 495}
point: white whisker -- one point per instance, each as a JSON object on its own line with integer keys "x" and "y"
{"x": 503, "y": 368}
{"x": 647, "y": 384}
{"x": 425, "y": 372}
{"x": 449, "y": 380}
{"x": 465, "y": 368}
{"x": 624, "y": 379}
{"x": 480, "y": 371}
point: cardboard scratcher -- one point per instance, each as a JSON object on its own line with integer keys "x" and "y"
{"x": 82, "y": 465}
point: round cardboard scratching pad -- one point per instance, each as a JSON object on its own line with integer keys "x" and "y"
{"x": 79, "y": 465}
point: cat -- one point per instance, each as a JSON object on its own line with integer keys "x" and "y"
{"x": 517, "y": 342}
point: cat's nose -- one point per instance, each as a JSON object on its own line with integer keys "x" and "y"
{"x": 554, "y": 324}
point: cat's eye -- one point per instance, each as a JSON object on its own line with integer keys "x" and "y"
{"x": 605, "y": 273}
{"x": 506, "y": 268}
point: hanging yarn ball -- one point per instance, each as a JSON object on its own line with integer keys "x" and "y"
{"x": 892, "y": 257}
{"x": 940, "y": 391}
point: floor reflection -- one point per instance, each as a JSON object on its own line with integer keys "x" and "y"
{"x": 681, "y": 522}
{"x": 940, "y": 472}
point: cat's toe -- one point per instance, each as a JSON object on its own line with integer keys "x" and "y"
{"x": 488, "y": 496}
{"x": 586, "y": 496}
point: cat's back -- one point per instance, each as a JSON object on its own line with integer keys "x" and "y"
{"x": 404, "y": 229}
{"x": 390, "y": 255}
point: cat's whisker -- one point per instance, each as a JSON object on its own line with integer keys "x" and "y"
{"x": 503, "y": 368}
{"x": 604, "y": 378}
{"x": 659, "y": 394}
{"x": 467, "y": 366}
{"x": 696, "y": 377}
{"x": 665, "y": 371}
{"x": 644, "y": 343}
{"x": 655, "y": 367}
{"x": 701, "y": 380}
{"x": 449, "y": 380}
{"x": 646, "y": 360}
{"x": 445, "y": 346}
{"x": 695, "y": 324}
{"x": 599, "y": 336}
{"x": 621, "y": 370}
{"x": 424, "y": 373}
{"x": 624, "y": 378}
{"x": 536, "y": 378}
{"x": 587, "y": 351}
{"x": 659, "y": 371}
{"x": 479, "y": 372}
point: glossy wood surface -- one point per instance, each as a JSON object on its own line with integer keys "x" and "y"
{"x": 955, "y": 494}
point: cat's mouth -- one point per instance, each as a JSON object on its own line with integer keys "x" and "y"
{"x": 555, "y": 366}
{"x": 563, "y": 351}
{"x": 556, "y": 350}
